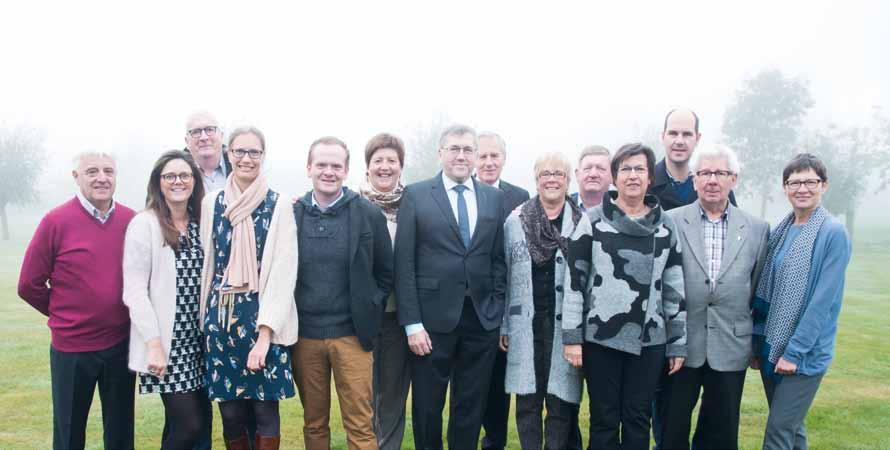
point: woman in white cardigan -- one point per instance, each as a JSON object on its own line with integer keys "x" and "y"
{"x": 248, "y": 312}
{"x": 162, "y": 274}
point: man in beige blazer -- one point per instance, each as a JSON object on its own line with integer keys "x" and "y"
{"x": 723, "y": 253}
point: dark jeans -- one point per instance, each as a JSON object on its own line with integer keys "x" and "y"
{"x": 620, "y": 387}
{"x": 392, "y": 379}
{"x": 464, "y": 357}
{"x": 74, "y": 379}
{"x": 554, "y": 431}
{"x": 718, "y": 418}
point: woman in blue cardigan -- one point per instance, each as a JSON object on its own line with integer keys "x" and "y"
{"x": 797, "y": 303}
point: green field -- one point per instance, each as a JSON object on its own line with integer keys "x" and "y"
{"x": 851, "y": 411}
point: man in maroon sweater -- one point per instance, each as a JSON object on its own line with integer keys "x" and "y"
{"x": 72, "y": 274}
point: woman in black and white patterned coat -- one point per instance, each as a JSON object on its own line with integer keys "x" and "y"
{"x": 628, "y": 278}
{"x": 162, "y": 283}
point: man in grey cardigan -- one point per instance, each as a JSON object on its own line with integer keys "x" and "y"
{"x": 723, "y": 253}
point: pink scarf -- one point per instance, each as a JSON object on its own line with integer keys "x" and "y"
{"x": 242, "y": 273}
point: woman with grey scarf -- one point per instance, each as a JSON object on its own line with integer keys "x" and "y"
{"x": 385, "y": 157}
{"x": 536, "y": 237}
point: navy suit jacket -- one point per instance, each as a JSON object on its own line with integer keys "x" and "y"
{"x": 435, "y": 271}
{"x": 513, "y": 197}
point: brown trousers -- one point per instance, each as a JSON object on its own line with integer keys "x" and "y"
{"x": 313, "y": 361}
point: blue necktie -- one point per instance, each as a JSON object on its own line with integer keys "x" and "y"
{"x": 463, "y": 217}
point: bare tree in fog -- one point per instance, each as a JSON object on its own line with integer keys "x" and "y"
{"x": 422, "y": 152}
{"x": 852, "y": 156}
{"x": 650, "y": 136}
{"x": 882, "y": 125}
{"x": 762, "y": 125}
{"x": 23, "y": 160}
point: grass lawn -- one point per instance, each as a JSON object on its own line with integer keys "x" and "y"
{"x": 851, "y": 411}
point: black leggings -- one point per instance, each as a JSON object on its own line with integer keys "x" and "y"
{"x": 185, "y": 415}
{"x": 235, "y": 416}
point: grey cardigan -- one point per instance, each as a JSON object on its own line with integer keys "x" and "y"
{"x": 564, "y": 380}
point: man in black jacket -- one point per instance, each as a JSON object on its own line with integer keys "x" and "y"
{"x": 450, "y": 287}
{"x": 344, "y": 277}
{"x": 673, "y": 181}
{"x": 489, "y": 165}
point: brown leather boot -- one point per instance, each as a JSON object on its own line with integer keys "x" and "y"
{"x": 240, "y": 443}
{"x": 267, "y": 442}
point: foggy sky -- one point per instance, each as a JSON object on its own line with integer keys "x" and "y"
{"x": 113, "y": 76}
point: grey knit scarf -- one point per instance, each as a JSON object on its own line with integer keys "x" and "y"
{"x": 542, "y": 237}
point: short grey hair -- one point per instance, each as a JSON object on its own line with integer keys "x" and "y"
{"x": 91, "y": 154}
{"x": 715, "y": 151}
{"x": 458, "y": 129}
{"x": 202, "y": 113}
{"x": 497, "y": 139}
{"x": 591, "y": 150}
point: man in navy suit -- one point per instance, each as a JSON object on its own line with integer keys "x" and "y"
{"x": 450, "y": 287}
{"x": 489, "y": 165}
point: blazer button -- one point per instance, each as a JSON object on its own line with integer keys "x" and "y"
{"x": 559, "y": 259}
{"x": 559, "y": 317}
{"x": 559, "y": 288}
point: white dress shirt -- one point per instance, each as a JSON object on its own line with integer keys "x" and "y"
{"x": 469, "y": 196}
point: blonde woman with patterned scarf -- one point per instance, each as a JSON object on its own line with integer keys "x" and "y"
{"x": 248, "y": 311}
{"x": 385, "y": 157}
{"x": 797, "y": 303}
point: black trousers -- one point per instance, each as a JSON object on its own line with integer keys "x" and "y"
{"x": 75, "y": 376}
{"x": 497, "y": 409}
{"x": 718, "y": 418}
{"x": 464, "y": 357}
{"x": 555, "y": 431}
{"x": 620, "y": 387}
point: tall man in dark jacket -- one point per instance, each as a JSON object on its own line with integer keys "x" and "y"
{"x": 673, "y": 181}
{"x": 345, "y": 276}
{"x": 489, "y": 165}
{"x": 450, "y": 286}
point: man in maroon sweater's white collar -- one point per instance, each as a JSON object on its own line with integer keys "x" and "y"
{"x": 72, "y": 274}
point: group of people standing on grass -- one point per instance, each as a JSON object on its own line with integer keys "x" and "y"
{"x": 649, "y": 285}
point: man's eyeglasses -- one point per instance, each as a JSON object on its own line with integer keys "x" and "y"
{"x": 185, "y": 177}
{"x": 455, "y": 150}
{"x": 253, "y": 153}
{"x": 556, "y": 175}
{"x": 795, "y": 185}
{"x": 721, "y": 175}
{"x": 209, "y": 130}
